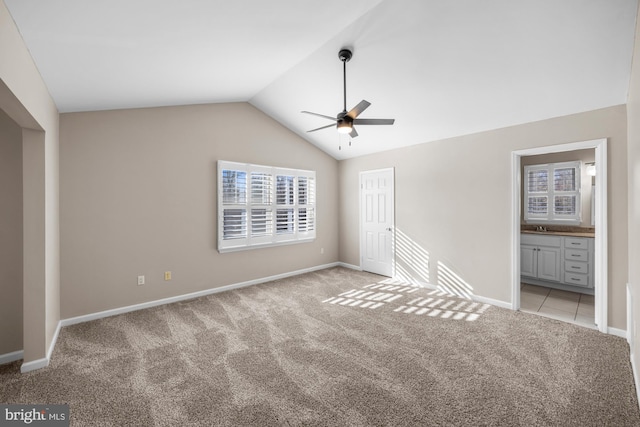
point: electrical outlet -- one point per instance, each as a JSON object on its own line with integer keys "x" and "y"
{"x": 321, "y": 251}
{"x": 167, "y": 275}
{"x": 140, "y": 280}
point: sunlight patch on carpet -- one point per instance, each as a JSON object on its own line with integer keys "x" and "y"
{"x": 445, "y": 308}
{"x": 402, "y": 298}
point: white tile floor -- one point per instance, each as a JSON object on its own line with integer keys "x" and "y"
{"x": 561, "y": 305}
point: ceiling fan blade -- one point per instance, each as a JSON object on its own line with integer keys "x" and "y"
{"x": 355, "y": 111}
{"x": 323, "y": 127}
{"x": 353, "y": 132}
{"x": 319, "y": 115}
{"x": 374, "y": 121}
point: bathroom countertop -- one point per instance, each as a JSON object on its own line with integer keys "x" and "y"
{"x": 562, "y": 233}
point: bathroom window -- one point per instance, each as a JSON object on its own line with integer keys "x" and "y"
{"x": 552, "y": 193}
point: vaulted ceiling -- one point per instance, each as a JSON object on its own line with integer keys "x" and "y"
{"x": 440, "y": 68}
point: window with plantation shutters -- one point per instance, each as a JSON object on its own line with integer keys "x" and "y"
{"x": 552, "y": 193}
{"x": 262, "y": 206}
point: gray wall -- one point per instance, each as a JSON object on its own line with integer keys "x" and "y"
{"x": 138, "y": 197}
{"x": 10, "y": 235}
{"x": 453, "y": 201}
{"x": 633, "y": 117}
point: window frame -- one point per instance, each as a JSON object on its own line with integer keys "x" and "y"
{"x": 269, "y": 203}
{"x": 550, "y": 216}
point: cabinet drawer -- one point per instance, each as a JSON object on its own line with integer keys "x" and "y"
{"x": 576, "y": 267}
{"x": 576, "y": 279}
{"x": 576, "y": 255}
{"x": 575, "y": 243}
{"x": 541, "y": 240}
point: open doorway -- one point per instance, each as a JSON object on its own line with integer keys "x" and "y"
{"x": 11, "y": 256}
{"x": 557, "y": 256}
{"x": 558, "y": 250}
{"x": 39, "y": 306}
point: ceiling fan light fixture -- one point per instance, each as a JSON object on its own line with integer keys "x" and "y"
{"x": 344, "y": 126}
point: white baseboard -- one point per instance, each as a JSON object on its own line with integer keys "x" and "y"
{"x": 351, "y": 266}
{"x": 135, "y": 307}
{"x": 617, "y": 332}
{"x": 491, "y": 301}
{"x": 34, "y": 364}
{"x": 44, "y": 362}
{"x": 11, "y": 357}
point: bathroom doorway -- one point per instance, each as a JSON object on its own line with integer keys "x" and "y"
{"x": 599, "y": 240}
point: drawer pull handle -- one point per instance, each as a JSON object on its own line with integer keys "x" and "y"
{"x": 575, "y": 243}
{"x": 575, "y": 280}
{"x": 575, "y": 255}
{"x": 575, "y": 268}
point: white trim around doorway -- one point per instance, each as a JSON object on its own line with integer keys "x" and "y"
{"x": 601, "y": 223}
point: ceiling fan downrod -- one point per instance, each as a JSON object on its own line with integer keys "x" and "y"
{"x": 344, "y": 55}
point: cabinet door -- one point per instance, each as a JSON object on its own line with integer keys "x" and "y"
{"x": 528, "y": 261}
{"x": 549, "y": 263}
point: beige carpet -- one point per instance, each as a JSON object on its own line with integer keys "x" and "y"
{"x": 334, "y": 347}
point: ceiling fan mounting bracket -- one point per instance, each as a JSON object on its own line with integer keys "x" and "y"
{"x": 345, "y": 55}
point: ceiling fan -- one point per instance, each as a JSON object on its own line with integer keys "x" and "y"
{"x": 346, "y": 120}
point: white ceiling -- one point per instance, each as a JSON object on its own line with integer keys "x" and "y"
{"x": 440, "y": 68}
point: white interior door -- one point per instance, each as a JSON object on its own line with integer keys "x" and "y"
{"x": 376, "y": 221}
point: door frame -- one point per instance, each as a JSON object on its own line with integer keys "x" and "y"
{"x": 601, "y": 269}
{"x": 393, "y": 215}
{"x": 40, "y": 255}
